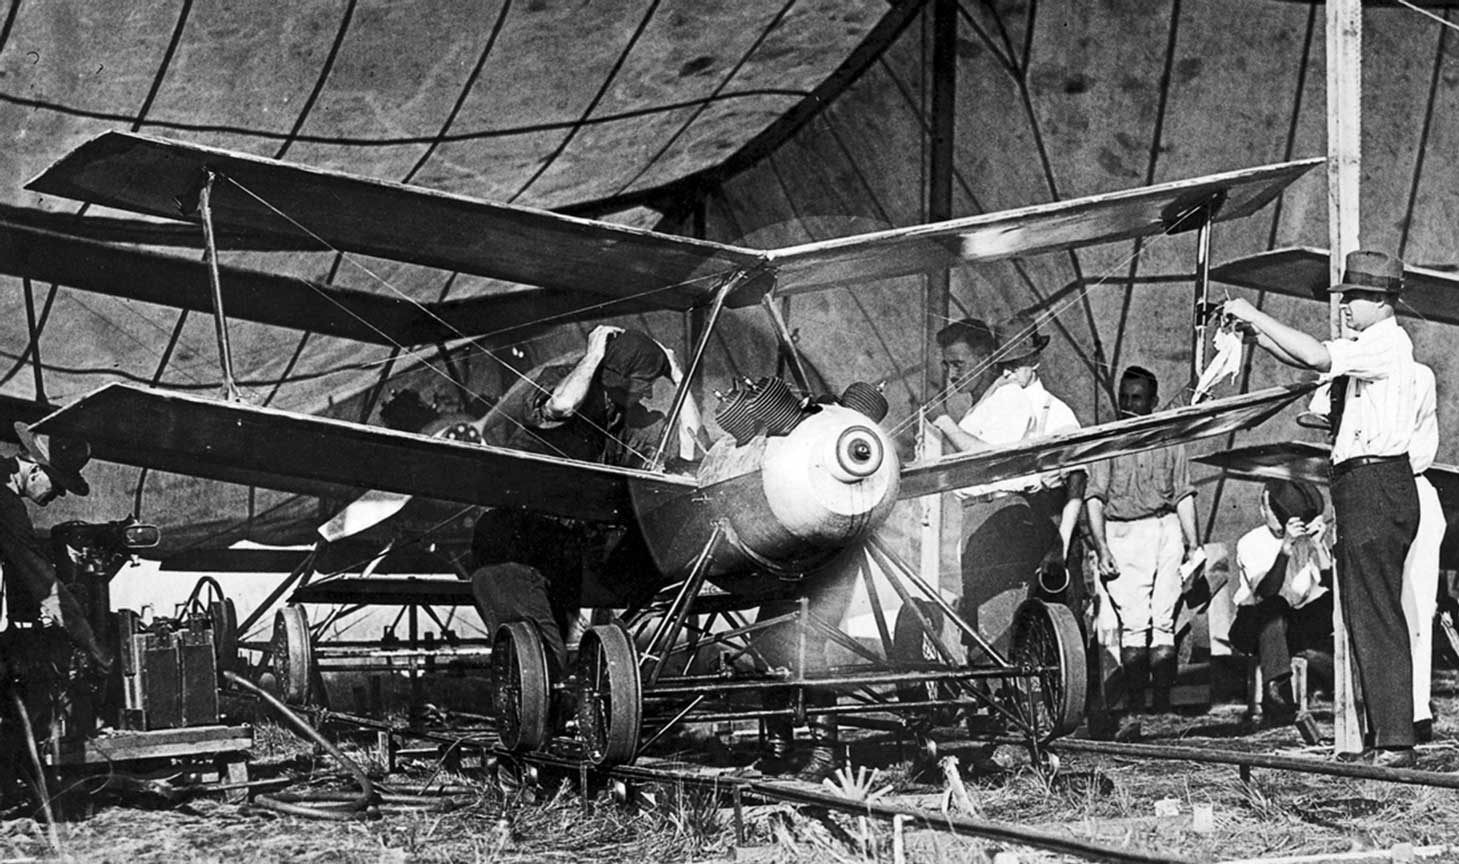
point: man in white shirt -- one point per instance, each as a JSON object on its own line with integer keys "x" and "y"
{"x": 1373, "y": 490}
{"x": 1283, "y": 605}
{"x": 1013, "y": 528}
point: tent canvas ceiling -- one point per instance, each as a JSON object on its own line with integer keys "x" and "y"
{"x": 566, "y": 105}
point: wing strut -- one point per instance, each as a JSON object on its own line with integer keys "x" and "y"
{"x": 220, "y": 320}
{"x": 680, "y": 395}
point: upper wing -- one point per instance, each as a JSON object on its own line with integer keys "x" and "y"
{"x": 1303, "y": 272}
{"x": 260, "y": 197}
{"x": 1041, "y": 228}
{"x": 1095, "y": 443}
{"x": 396, "y": 221}
{"x": 285, "y": 301}
{"x": 335, "y": 458}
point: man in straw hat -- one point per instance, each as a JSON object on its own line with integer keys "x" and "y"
{"x": 47, "y": 468}
{"x": 1375, "y": 401}
{"x": 1012, "y": 528}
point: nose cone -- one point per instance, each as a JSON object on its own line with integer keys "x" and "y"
{"x": 833, "y": 479}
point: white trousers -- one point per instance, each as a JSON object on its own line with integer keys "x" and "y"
{"x": 1421, "y": 591}
{"x": 1142, "y": 599}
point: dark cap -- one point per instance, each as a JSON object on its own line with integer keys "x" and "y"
{"x": 1370, "y": 271}
{"x": 61, "y": 457}
{"x": 1289, "y": 498}
{"x": 1019, "y": 338}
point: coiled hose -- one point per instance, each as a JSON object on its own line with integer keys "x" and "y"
{"x": 355, "y": 807}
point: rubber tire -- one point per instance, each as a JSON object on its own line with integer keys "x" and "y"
{"x": 910, "y": 644}
{"x": 292, "y": 654}
{"x": 520, "y": 688}
{"x": 1046, "y": 634}
{"x": 610, "y": 696}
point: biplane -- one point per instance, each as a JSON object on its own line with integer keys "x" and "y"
{"x": 768, "y": 519}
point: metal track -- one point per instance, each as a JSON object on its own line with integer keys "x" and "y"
{"x": 790, "y": 792}
{"x": 1247, "y": 761}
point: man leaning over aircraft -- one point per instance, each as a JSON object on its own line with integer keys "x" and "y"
{"x": 531, "y": 564}
{"x": 1010, "y": 528}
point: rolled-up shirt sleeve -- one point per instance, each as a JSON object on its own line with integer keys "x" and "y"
{"x": 1370, "y": 357}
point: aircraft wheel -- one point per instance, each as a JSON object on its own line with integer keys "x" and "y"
{"x": 610, "y": 695}
{"x": 912, "y": 646}
{"x": 1050, "y": 703}
{"x": 520, "y": 690}
{"x": 291, "y": 654}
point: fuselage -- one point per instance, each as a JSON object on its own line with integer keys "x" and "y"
{"x": 787, "y": 504}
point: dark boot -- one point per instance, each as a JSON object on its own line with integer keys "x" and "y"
{"x": 1136, "y": 664}
{"x": 1163, "y": 668}
{"x": 824, "y": 760}
{"x": 779, "y": 739}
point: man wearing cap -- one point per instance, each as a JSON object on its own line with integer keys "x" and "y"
{"x": 46, "y": 468}
{"x": 531, "y": 564}
{"x": 1284, "y": 607}
{"x": 1374, "y": 403}
{"x": 1142, "y": 520}
{"x": 1014, "y": 528}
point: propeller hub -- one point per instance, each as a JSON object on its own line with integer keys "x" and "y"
{"x": 859, "y": 453}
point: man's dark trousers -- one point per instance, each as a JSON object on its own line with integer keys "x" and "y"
{"x": 1377, "y": 518}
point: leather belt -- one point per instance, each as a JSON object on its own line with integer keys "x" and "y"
{"x": 1347, "y": 465}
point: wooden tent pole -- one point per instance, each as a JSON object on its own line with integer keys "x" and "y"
{"x": 1344, "y": 162}
{"x": 938, "y": 289}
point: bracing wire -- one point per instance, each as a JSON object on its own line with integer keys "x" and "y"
{"x": 424, "y": 362}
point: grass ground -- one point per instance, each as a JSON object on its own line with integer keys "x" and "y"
{"x": 1108, "y": 800}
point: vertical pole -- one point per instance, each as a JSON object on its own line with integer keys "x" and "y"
{"x": 939, "y": 176}
{"x": 939, "y": 283}
{"x": 1344, "y": 164}
{"x": 1203, "y": 299}
{"x": 220, "y": 320}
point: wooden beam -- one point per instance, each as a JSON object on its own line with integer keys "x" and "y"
{"x": 1344, "y": 164}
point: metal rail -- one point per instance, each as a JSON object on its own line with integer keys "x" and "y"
{"x": 786, "y": 792}
{"x": 1247, "y": 761}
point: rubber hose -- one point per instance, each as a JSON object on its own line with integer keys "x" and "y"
{"x": 355, "y": 808}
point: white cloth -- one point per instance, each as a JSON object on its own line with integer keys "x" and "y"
{"x": 1009, "y": 414}
{"x": 1256, "y": 552}
{"x": 1226, "y": 363}
{"x": 1421, "y": 567}
{"x": 1140, "y": 602}
{"x": 1381, "y": 396}
{"x": 1425, "y": 444}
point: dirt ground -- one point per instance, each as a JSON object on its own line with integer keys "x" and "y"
{"x": 1118, "y": 802}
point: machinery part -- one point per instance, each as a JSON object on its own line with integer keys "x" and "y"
{"x": 224, "y": 618}
{"x": 520, "y": 690}
{"x": 866, "y": 398}
{"x": 774, "y": 407}
{"x": 610, "y": 695}
{"x": 1050, "y": 702}
{"x": 733, "y": 416}
{"x": 913, "y": 646}
{"x": 292, "y": 654}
